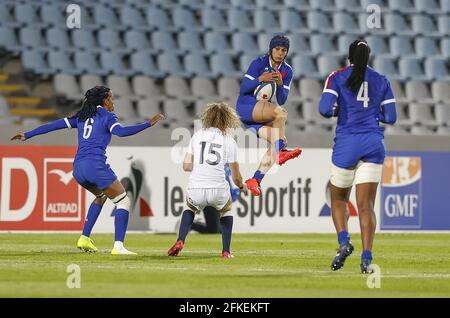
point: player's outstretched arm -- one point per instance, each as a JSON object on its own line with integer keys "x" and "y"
{"x": 118, "y": 130}
{"x": 51, "y": 126}
{"x": 237, "y": 177}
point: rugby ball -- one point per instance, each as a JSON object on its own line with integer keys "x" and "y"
{"x": 265, "y": 91}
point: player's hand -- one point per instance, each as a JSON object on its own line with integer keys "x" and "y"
{"x": 244, "y": 189}
{"x": 20, "y": 136}
{"x": 277, "y": 77}
{"x": 155, "y": 119}
{"x": 266, "y": 77}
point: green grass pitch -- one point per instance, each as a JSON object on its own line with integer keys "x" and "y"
{"x": 265, "y": 265}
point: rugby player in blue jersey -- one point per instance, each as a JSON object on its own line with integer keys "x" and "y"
{"x": 267, "y": 119}
{"x": 364, "y": 98}
{"x": 96, "y": 123}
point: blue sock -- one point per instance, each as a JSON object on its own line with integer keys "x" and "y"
{"x": 279, "y": 145}
{"x": 120, "y": 224}
{"x": 366, "y": 254}
{"x": 227, "y": 227}
{"x": 91, "y": 218}
{"x": 186, "y": 221}
{"x": 343, "y": 237}
{"x": 258, "y": 175}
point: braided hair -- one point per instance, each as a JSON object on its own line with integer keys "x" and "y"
{"x": 93, "y": 97}
{"x": 358, "y": 54}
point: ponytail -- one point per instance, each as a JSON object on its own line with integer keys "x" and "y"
{"x": 93, "y": 97}
{"x": 359, "y": 53}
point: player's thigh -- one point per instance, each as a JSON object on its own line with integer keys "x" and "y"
{"x": 265, "y": 111}
{"x": 226, "y": 207}
{"x": 365, "y": 196}
{"x": 340, "y": 194}
{"x": 114, "y": 190}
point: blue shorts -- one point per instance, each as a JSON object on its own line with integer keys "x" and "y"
{"x": 93, "y": 173}
{"x": 349, "y": 149}
{"x": 244, "y": 107}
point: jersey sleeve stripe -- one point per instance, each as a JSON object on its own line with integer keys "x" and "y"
{"x": 388, "y": 101}
{"x": 114, "y": 125}
{"x": 331, "y": 91}
{"x": 67, "y": 123}
{"x": 249, "y": 77}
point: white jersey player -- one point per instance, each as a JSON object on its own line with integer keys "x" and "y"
{"x": 210, "y": 149}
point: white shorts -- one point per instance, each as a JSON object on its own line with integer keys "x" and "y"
{"x": 201, "y": 198}
{"x": 365, "y": 172}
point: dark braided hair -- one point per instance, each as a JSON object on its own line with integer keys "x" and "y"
{"x": 93, "y": 97}
{"x": 358, "y": 54}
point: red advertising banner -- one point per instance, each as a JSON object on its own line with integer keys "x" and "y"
{"x": 37, "y": 189}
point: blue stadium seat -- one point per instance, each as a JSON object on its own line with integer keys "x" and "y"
{"x": 426, "y": 47}
{"x": 270, "y": 4}
{"x": 445, "y": 7}
{"x": 401, "y": 46}
{"x": 244, "y": 4}
{"x": 133, "y": 18}
{"x": 387, "y": 67}
{"x": 214, "y": 20}
{"x": 60, "y": 62}
{"x": 402, "y": 6}
{"x": 378, "y": 45}
{"x": 353, "y": 6}
{"x": 26, "y": 14}
{"x": 7, "y": 17}
{"x": 437, "y": 68}
{"x": 323, "y": 44}
{"x": 157, "y": 18}
{"x": 110, "y": 40}
{"x": 323, "y": 5}
{"x": 265, "y": 21}
{"x": 53, "y": 15}
{"x": 424, "y": 25}
{"x": 305, "y": 67}
{"x": 84, "y": 39}
{"x": 345, "y": 23}
{"x": 58, "y": 39}
{"x": 240, "y": 20}
{"x": 216, "y": 42}
{"x": 440, "y": 90}
{"x": 222, "y": 65}
{"x": 222, "y": 4}
{"x": 193, "y": 4}
{"x": 8, "y": 39}
{"x": 113, "y": 63}
{"x": 442, "y": 112}
{"x": 244, "y": 42}
{"x": 197, "y": 65}
{"x": 184, "y": 19}
{"x": 291, "y": 21}
{"x": 164, "y": 42}
{"x": 189, "y": 41}
{"x": 380, "y": 3}
{"x": 421, "y": 114}
{"x": 327, "y": 64}
{"x": 318, "y": 21}
{"x": 142, "y": 63}
{"x": 444, "y": 24}
{"x": 299, "y": 45}
{"x": 244, "y": 62}
{"x": 120, "y": 86}
{"x": 33, "y": 60}
{"x": 417, "y": 91}
{"x": 138, "y": 41}
{"x": 344, "y": 42}
{"x": 169, "y": 63}
{"x": 263, "y": 40}
{"x": 411, "y": 68}
{"x": 396, "y": 24}
{"x": 105, "y": 17}
{"x": 32, "y": 38}
{"x": 445, "y": 47}
{"x": 298, "y": 5}
{"x": 430, "y": 6}
{"x": 87, "y": 62}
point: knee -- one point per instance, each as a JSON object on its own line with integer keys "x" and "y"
{"x": 280, "y": 113}
{"x": 100, "y": 200}
{"x": 122, "y": 201}
{"x": 364, "y": 206}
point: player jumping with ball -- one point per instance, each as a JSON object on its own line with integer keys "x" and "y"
{"x": 267, "y": 119}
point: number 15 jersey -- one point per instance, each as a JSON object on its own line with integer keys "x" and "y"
{"x": 211, "y": 150}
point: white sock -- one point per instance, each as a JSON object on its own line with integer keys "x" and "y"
{"x": 118, "y": 244}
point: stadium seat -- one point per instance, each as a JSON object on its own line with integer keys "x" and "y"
{"x": 353, "y": 6}
{"x": 265, "y": 21}
{"x": 270, "y": 4}
{"x": 114, "y": 64}
{"x": 378, "y": 45}
{"x": 119, "y": 85}
{"x": 345, "y": 23}
{"x": 442, "y": 112}
{"x": 32, "y": 38}
{"x": 138, "y": 41}
{"x": 263, "y": 40}
{"x": 176, "y": 111}
{"x": 445, "y": 47}
{"x": 222, "y": 65}
{"x": 244, "y": 61}
{"x": 311, "y": 114}
{"x": 402, "y": 117}
{"x": 84, "y": 39}
{"x": 306, "y": 67}
{"x": 240, "y": 20}
{"x": 26, "y": 14}
{"x": 444, "y": 24}
{"x": 443, "y": 131}
{"x": 58, "y": 39}
{"x": 216, "y": 42}
{"x": 193, "y": 4}
{"x": 169, "y": 63}
{"x": 323, "y": 5}
{"x": 53, "y": 15}
{"x": 396, "y": 24}
{"x": 411, "y": 68}
{"x": 123, "y": 108}
{"x": 145, "y": 86}
{"x": 310, "y": 89}
{"x": 60, "y": 62}
{"x": 401, "y": 46}
{"x": 67, "y": 86}
{"x": 8, "y": 39}
{"x": 437, "y": 68}
{"x": 164, "y": 42}
{"x": 445, "y": 7}
{"x": 222, "y": 4}
{"x": 421, "y": 131}
{"x": 418, "y": 92}
{"x": 322, "y": 44}
{"x": 189, "y": 41}
{"x": 328, "y": 64}
{"x": 402, "y": 6}
{"x": 87, "y": 62}
{"x": 380, "y": 3}
{"x": 430, "y": 6}
{"x": 291, "y": 21}
{"x": 244, "y": 42}
{"x": 421, "y": 114}
{"x": 203, "y": 88}
{"x": 244, "y": 4}
{"x": 176, "y": 87}
{"x": 7, "y": 17}
{"x": 184, "y": 20}
{"x": 157, "y": 18}
{"x": 441, "y": 91}
{"x": 426, "y": 47}
{"x": 87, "y": 81}
{"x": 399, "y": 92}
{"x": 228, "y": 87}
{"x": 196, "y": 64}
{"x": 105, "y": 17}
{"x": 298, "y": 45}
{"x": 424, "y": 25}
{"x": 110, "y": 40}
{"x": 133, "y": 19}
{"x": 298, "y": 5}
{"x": 148, "y": 107}
{"x": 33, "y": 60}
{"x": 214, "y": 20}
{"x": 319, "y": 21}
{"x": 143, "y": 63}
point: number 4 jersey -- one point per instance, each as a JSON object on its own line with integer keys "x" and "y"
{"x": 358, "y": 112}
{"x": 211, "y": 150}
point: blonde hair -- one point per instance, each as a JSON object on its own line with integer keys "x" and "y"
{"x": 221, "y": 116}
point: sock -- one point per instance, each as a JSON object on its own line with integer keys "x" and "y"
{"x": 120, "y": 224}
{"x": 186, "y": 221}
{"x": 366, "y": 254}
{"x": 91, "y": 218}
{"x": 279, "y": 145}
{"x": 258, "y": 175}
{"x": 343, "y": 237}
{"x": 118, "y": 244}
{"x": 227, "y": 227}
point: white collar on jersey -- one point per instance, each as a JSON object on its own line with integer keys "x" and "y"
{"x": 270, "y": 63}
